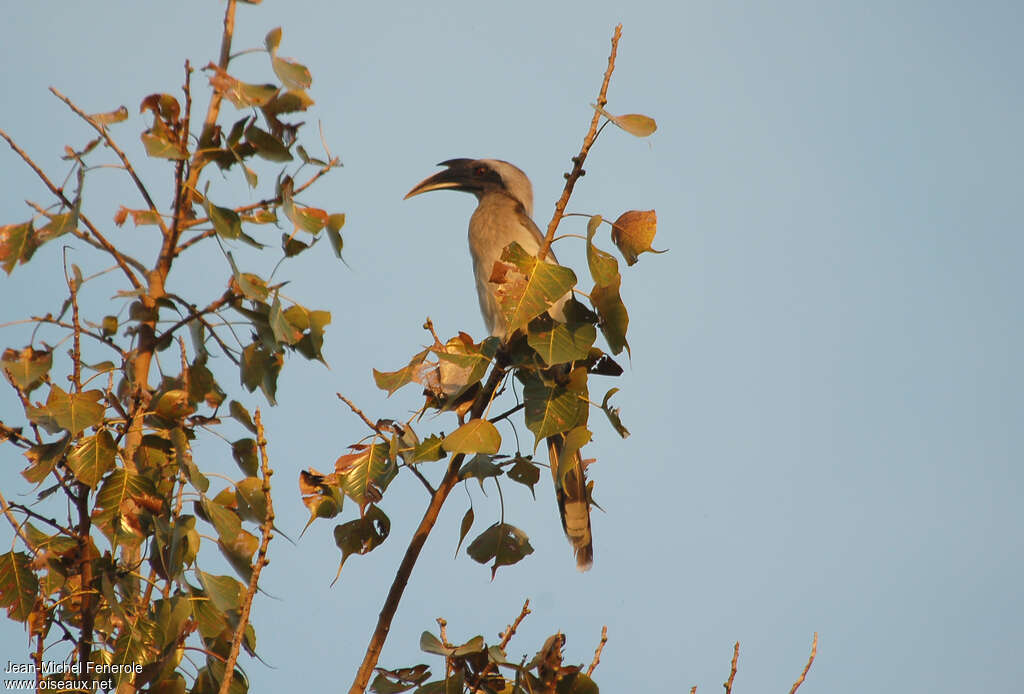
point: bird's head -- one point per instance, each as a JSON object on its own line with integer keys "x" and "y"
{"x": 480, "y": 177}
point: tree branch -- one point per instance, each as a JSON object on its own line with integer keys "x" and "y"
{"x": 412, "y": 553}
{"x": 266, "y": 534}
{"x": 807, "y": 667}
{"x": 599, "y": 650}
{"x": 588, "y": 142}
{"x": 105, "y": 134}
{"x": 122, "y": 260}
{"x": 732, "y": 669}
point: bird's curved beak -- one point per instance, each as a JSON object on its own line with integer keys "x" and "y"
{"x": 458, "y": 176}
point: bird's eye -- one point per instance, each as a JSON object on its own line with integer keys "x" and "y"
{"x": 480, "y": 171}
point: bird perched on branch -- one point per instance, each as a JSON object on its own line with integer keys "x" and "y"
{"x": 503, "y": 215}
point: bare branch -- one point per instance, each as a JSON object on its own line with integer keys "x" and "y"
{"x": 598, "y": 651}
{"x": 588, "y": 142}
{"x": 732, "y": 669}
{"x": 105, "y": 134}
{"x": 122, "y": 260}
{"x": 807, "y": 667}
{"x": 266, "y": 534}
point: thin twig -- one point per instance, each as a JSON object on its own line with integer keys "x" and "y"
{"x": 360, "y": 413}
{"x": 732, "y": 669}
{"x": 18, "y": 529}
{"x": 266, "y": 534}
{"x": 588, "y": 142}
{"x": 105, "y": 134}
{"x": 506, "y": 637}
{"x": 807, "y": 667}
{"x": 32, "y": 514}
{"x": 507, "y": 413}
{"x": 598, "y": 651}
{"x": 122, "y": 260}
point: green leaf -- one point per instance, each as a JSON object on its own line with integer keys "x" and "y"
{"x": 292, "y": 74}
{"x": 59, "y": 225}
{"x": 465, "y": 527}
{"x": 365, "y": 474}
{"x": 241, "y": 415}
{"x": 17, "y": 244}
{"x": 244, "y": 453}
{"x": 614, "y": 317}
{"x": 525, "y": 472}
{"x": 559, "y": 343}
{"x": 613, "y": 414}
{"x": 433, "y": 645}
{"x": 159, "y": 144}
{"x": 362, "y": 535}
{"x": 428, "y": 450}
{"x": 576, "y": 683}
{"x": 43, "y": 458}
{"x": 541, "y": 285}
{"x": 93, "y": 457}
{"x": 226, "y": 222}
{"x": 224, "y": 592}
{"x": 267, "y": 146}
{"x": 391, "y": 381}
{"x": 504, "y": 543}
{"x": 334, "y": 224}
{"x": 226, "y": 521}
{"x": 604, "y": 268}
{"x": 75, "y": 412}
{"x": 480, "y": 467}
{"x": 27, "y": 367}
{"x": 284, "y": 331}
{"x": 475, "y": 436}
{"x": 552, "y": 409}
{"x": 252, "y": 503}
{"x": 18, "y": 585}
{"x": 109, "y": 325}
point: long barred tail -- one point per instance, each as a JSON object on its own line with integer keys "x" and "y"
{"x": 573, "y": 504}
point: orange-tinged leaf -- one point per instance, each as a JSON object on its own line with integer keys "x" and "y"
{"x": 115, "y": 116}
{"x": 27, "y": 366}
{"x": 17, "y": 244}
{"x": 633, "y": 233}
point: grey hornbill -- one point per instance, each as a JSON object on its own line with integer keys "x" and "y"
{"x": 503, "y": 215}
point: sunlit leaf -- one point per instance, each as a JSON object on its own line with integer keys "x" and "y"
{"x": 115, "y": 116}
{"x": 633, "y": 233}
{"x": 292, "y": 74}
{"x": 364, "y": 475}
{"x": 43, "y": 458}
{"x": 633, "y": 123}
{"x": 475, "y": 436}
{"x": 93, "y": 458}
{"x": 552, "y": 409}
{"x": 391, "y": 381}
{"x": 17, "y": 244}
{"x": 75, "y": 412}
{"x": 531, "y": 288}
{"x": 26, "y": 367}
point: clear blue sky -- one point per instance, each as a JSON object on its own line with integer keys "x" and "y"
{"x": 826, "y": 387}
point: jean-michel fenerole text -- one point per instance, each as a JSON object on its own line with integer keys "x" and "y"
{"x": 56, "y": 667}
